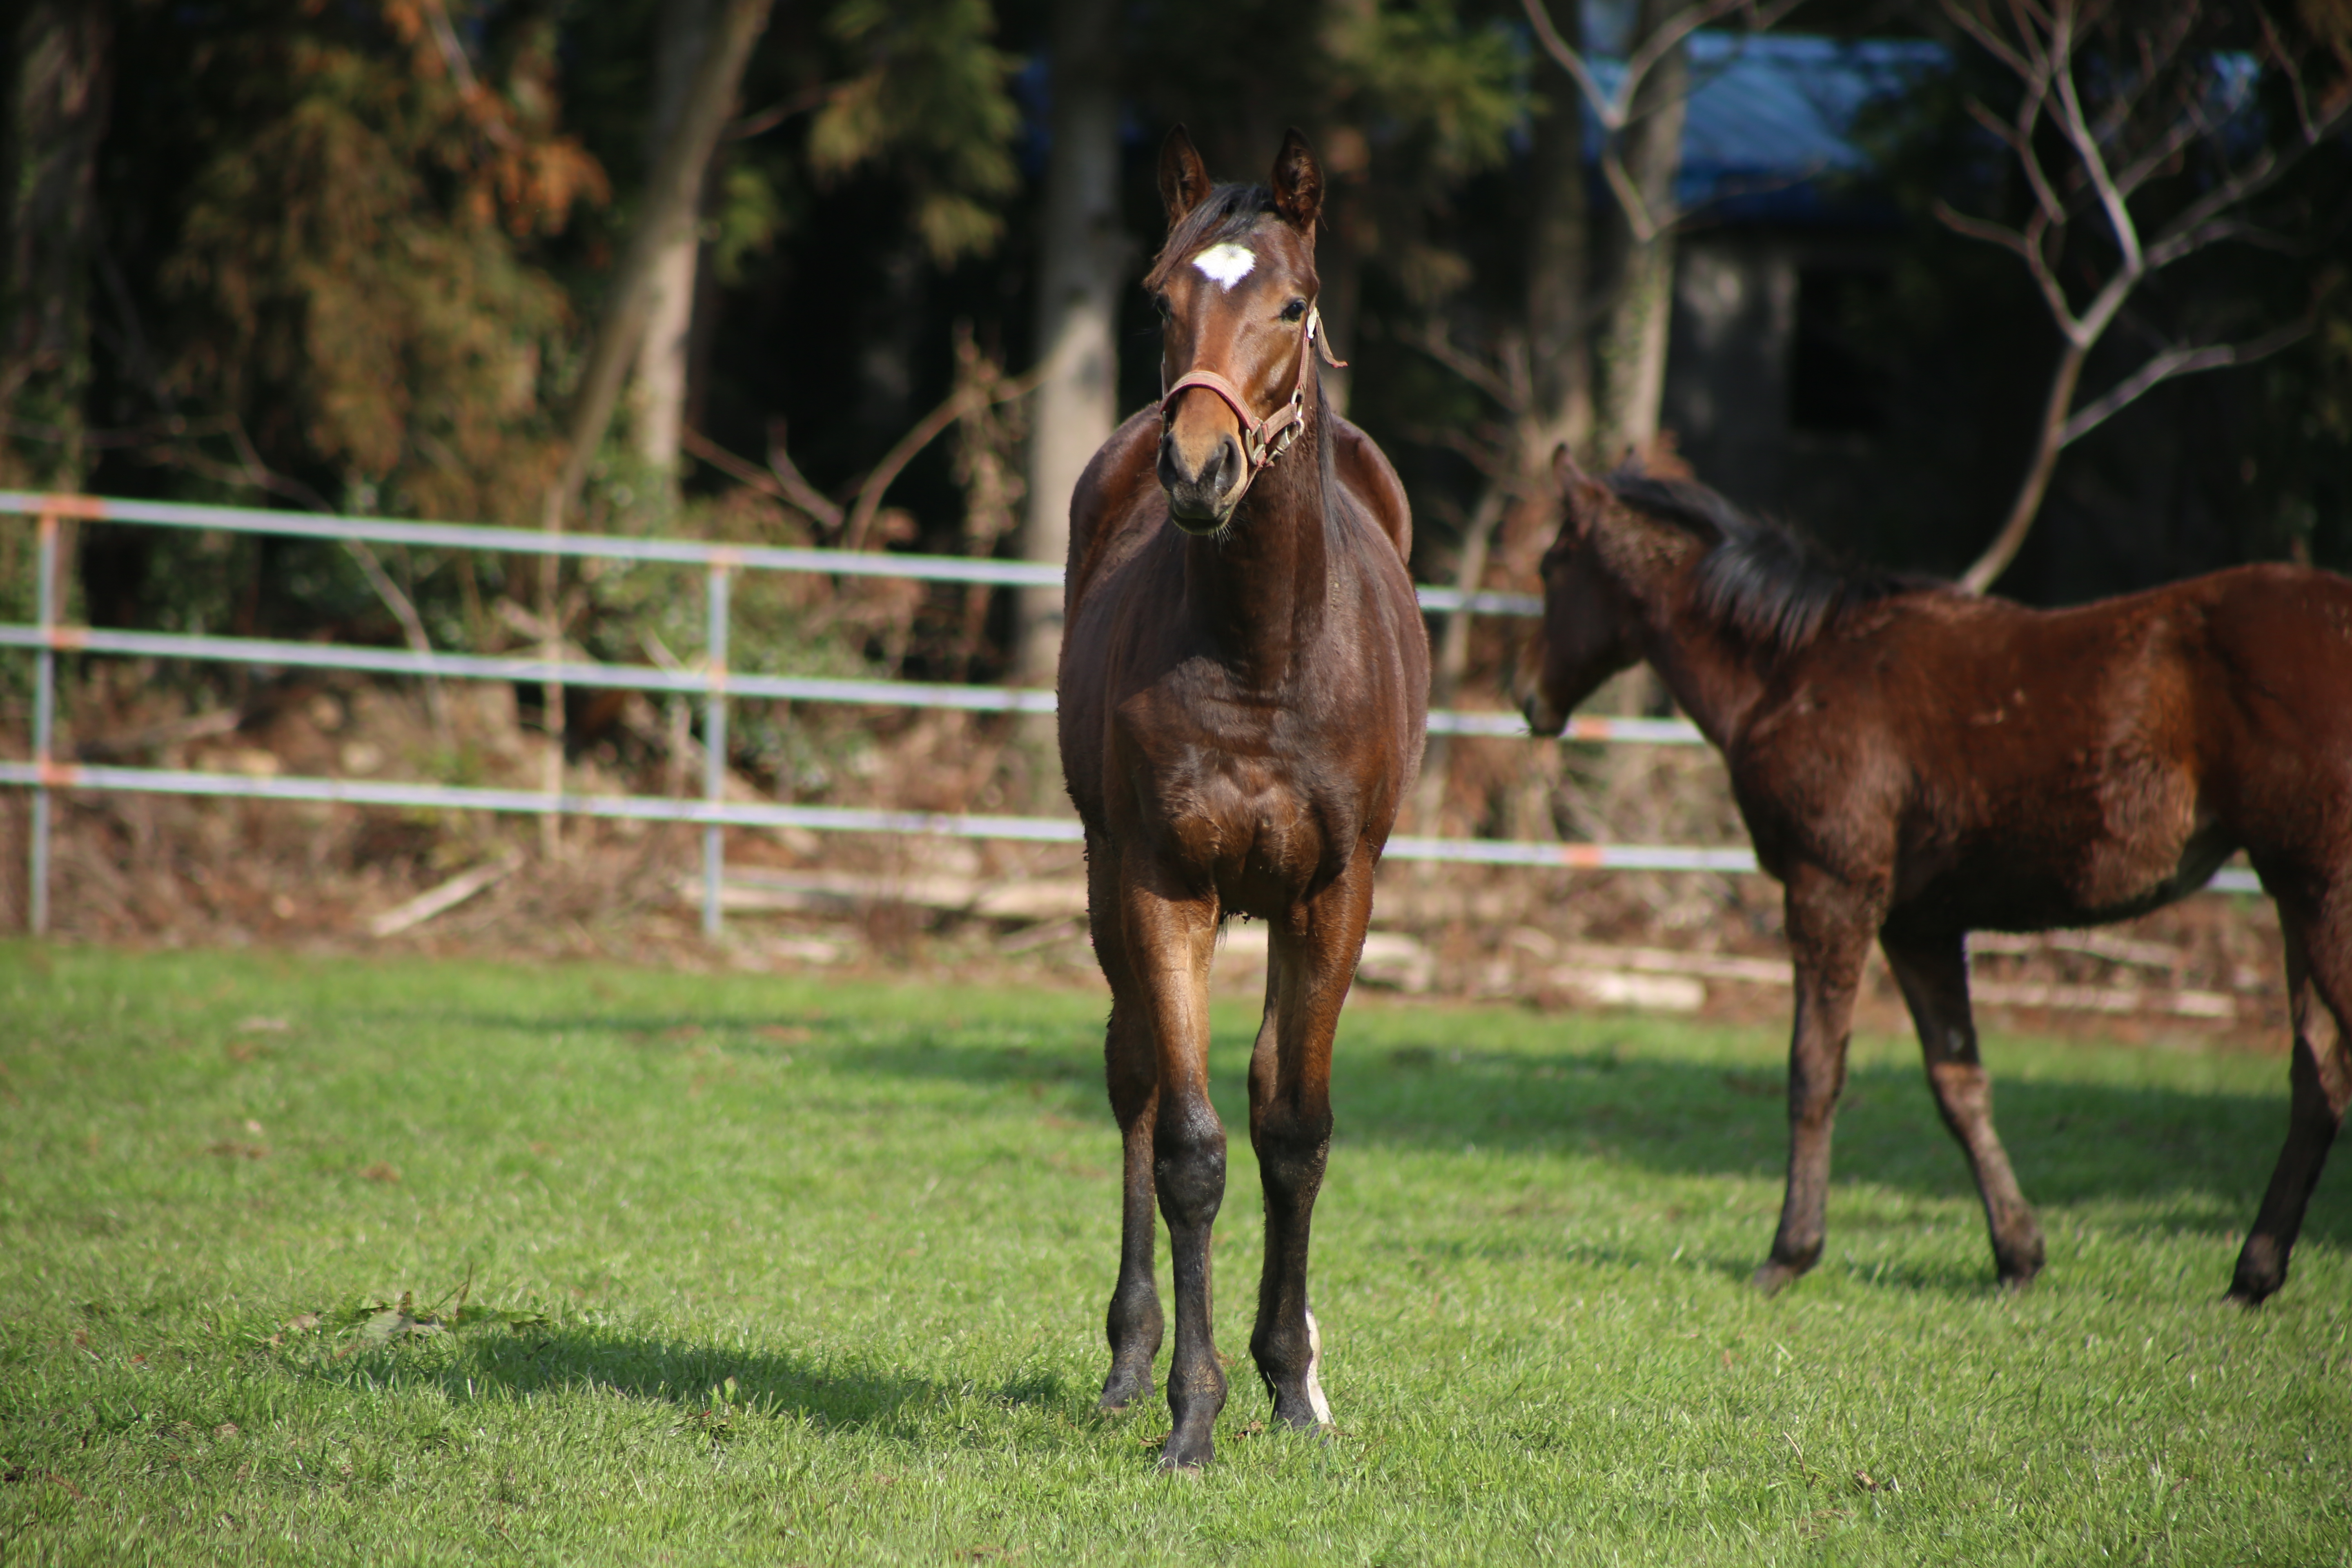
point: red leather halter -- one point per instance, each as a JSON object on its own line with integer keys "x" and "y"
{"x": 1263, "y": 440}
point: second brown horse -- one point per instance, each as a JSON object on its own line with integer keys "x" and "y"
{"x": 1915, "y": 763}
{"x": 1243, "y": 683}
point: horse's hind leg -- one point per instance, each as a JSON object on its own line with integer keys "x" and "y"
{"x": 1934, "y": 973}
{"x": 1311, "y": 962}
{"x": 2319, "y": 1000}
{"x": 1829, "y": 928}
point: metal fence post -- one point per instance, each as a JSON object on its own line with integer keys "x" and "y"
{"x": 44, "y": 709}
{"x": 714, "y": 744}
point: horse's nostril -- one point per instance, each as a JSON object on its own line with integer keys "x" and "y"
{"x": 1228, "y": 464}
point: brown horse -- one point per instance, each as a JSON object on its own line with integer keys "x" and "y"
{"x": 1915, "y": 763}
{"x": 1243, "y": 684}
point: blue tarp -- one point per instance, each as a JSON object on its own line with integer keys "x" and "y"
{"x": 1768, "y": 132}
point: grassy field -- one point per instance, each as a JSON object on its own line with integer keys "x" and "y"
{"x": 788, "y": 1272}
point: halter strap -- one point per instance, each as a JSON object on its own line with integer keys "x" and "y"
{"x": 1263, "y": 439}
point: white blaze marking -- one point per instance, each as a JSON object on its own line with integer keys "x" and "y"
{"x": 1314, "y": 1400}
{"x": 1227, "y": 263}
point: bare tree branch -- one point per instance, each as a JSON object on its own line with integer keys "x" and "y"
{"x": 412, "y": 626}
{"x": 2169, "y": 364}
{"x": 964, "y": 400}
{"x": 2086, "y": 145}
{"x": 769, "y": 481}
{"x": 806, "y": 496}
{"x": 2153, "y": 110}
{"x": 1438, "y": 344}
{"x": 1989, "y": 40}
{"x": 2010, "y": 239}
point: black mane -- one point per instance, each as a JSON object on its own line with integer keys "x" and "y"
{"x": 1766, "y": 580}
{"x": 1228, "y": 212}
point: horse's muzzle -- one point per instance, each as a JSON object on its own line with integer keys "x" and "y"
{"x": 1202, "y": 502}
{"x": 1539, "y": 713}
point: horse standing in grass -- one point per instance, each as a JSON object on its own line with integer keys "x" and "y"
{"x": 1915, "y": 763}
{"x": 1243, "y": 686}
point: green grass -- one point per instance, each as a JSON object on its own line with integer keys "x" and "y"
{"x": 888, "y": 1213}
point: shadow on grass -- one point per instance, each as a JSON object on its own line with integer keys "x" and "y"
{"x": 690, "y": 1378}
{"x": 2197, "y": 1160}
{"x": 2193, "y": 1163}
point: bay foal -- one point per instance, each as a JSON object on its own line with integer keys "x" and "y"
{"x": 1915, "y": 763}
{"x": 1243, "y": 684}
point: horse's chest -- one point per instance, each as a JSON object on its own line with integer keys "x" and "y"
{"x": 1232, "y": 804}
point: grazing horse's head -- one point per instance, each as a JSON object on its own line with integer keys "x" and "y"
{"x": 1590, "y": 624}
{"x": 1235, "y": 288}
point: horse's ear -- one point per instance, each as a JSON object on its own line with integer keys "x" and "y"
{"x": 1580, "y": 494}
{"x": 1183, "y": 176}
{"x": 1298, "y": 184}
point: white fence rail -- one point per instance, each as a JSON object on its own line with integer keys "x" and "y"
{"x": 712, "y": 681}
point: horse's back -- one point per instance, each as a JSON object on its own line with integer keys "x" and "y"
{"x": 2281, "y": 635}
{"x": 2003, "y": 683}
{"x": 2102, "y": 758}
{"x": 1365, "y": 472}
{"x": 2279, "y": 713}
{"x": 1116, "y": 504}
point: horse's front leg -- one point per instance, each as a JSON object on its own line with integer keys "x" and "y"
{"x": 1311, "y": 963}
{"x": 1131, "y": 1072}
{"x": 1171, "y": 936}
{"x": 1933, "y": 971}
{"x": 1830, "y": 927}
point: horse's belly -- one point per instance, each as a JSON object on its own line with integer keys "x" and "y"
{"x": 2133, "y": 844}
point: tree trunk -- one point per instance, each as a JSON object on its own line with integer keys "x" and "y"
{"x": 56, "y": 88}
{"x": 659, "y": 401}
{"x": 1559, "y": 363}
{"x": 672, "y": 199}
{"x": 1081, "y": 256}
{"x": 1632, "y": 344}
{"x": 1348, "y": 227}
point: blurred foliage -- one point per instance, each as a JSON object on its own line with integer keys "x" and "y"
{"x": 353, "y": 280}
{"x": 929, "y": 99}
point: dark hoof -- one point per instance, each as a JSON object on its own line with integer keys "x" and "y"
{"x": 1772, "y": 1276}
{"x": 1124, "y": 1386}
{"x": 1185, "y": 1456}
{"x": 2018, "y": 1256}
{"x": 2260, "y": 1273}
{"x": 2017, "y": 1284}
{"x": 1298, "y": 1416}
{"x": 2251, "y": 1292}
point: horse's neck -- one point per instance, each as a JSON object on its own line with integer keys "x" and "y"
{"x": 1714, "y": 677}
{"x": 1261, "y": 590}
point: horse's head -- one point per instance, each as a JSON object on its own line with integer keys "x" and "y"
{"x": 1590, "y": 624}
{"x": 1235, "y": 288}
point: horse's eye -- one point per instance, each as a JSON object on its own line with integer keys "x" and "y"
{"x": 1294, "y": 311}
{"x": 1160, "y": 303}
